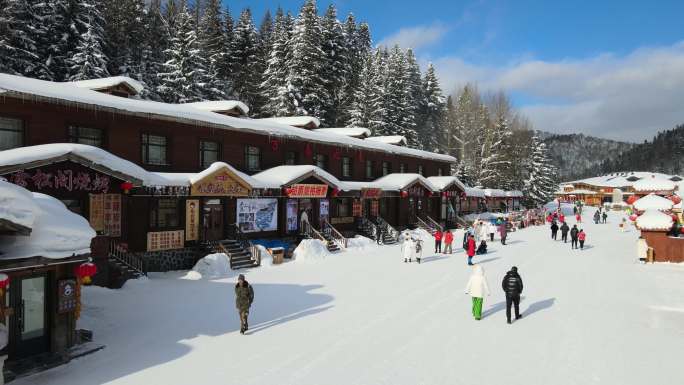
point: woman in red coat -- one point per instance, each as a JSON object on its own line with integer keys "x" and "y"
{"x": 471, "y": 249}
{"x": 438, "y": 241}
{"x": 448, "y": 239}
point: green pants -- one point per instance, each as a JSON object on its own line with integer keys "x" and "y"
{"x": 477, "y": 307}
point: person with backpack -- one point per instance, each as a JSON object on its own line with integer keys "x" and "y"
{"x": 438, "y": 241}
{"x": 244, "y": 296}
{"x": 554, "y": 230}
{"x": 574, "y": 234}
{"x": 470, "y": 250}
{"x": 564, "y": 232}
{"x": 448, "y": 240}
{"x": 581, "y": 236}
{"x": 512, "y": 286}
{"x": 477, "y": 288}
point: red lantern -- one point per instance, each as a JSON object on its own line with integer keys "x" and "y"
{"x": 632, "y": 199}
{"x": 445, "y": 194}
{"x": 85, "y": 271}
{"x": 275, "y": 145}
{"x": 633, "y": 217}
{"x": 287, "y": 191}
{"x": 334, "y": 192}
{"x": 4, "y": 283}
{"x": 404, "y": 194}
{"x": 126, "y": 187}
{"x": 428, "y": 194}
{"x": 676, "y": 199}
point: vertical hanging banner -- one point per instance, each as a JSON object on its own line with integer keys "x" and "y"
{"x": 191, "y": 219}
{"x": 97, "y": 212}
{"x": 112, "y": 215}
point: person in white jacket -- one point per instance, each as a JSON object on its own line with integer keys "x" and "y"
{"x": 477, "y": 288}
{"x": 491, "y": 229}
{"x": 407, "y": 247}
{"x": 484, "y": 231}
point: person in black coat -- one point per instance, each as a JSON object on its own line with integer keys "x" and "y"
{"x": 554, "y": 230}
{"x": 574, "y": 237}
{"x": 564, "y": 232}
{"x": 512, "y": 285}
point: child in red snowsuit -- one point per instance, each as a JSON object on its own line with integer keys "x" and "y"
{"x": 471, "y": 249}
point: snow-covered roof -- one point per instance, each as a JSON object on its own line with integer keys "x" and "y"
{"x": 102, "y": 83}
{"x": 295, "y": 121}
{"x": 287, "y": 175}
{"x": 56, "y": 232}
{"x": 396, "y": 182}
{"x": 65, "y": 93}
{"x": 577, "y": 192}
{"x": 355, "y": 132}
{"x": 514, "y": 194}
{"x": 16, "y": 204}
{"x": 397, "y": 140}
{"x": 494, "y": 193}
{"x": 654, "y": 184}
{"x": 186, "y": 179}
{"x": 654, "y": 220}
{"x": 474, "y": 192}
{"x": 98, "y": 156}
{"x": 358, "y": 186}
{"x": 220, "y": 106}
{"x": 621, "y": 179}
{"x": 653, "y": 202}
{"x": 444, "y": 182}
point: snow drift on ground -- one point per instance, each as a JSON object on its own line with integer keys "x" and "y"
{"x": 311, "y": 250}
{"x": 211, "y": 266}
{"x": 360, "y": 242}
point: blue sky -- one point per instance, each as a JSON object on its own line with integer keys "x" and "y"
{"x": 607, "y": 68}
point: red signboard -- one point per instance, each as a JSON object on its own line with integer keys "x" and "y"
{"x": 307, "y": 191}
{"x": 371, "y": 192}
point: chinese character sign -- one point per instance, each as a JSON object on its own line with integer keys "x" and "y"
{"x": 97, "y": 212}
{"x": 220, "y": 183}
{"x": 307, "y": 191}
{"x": 61, "y": 179}
{"x": 165, "y": 240}
{"x": 112, "y": 215}
{"x": 191, "y": 219}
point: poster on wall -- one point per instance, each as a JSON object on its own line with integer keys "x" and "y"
{"x": 324, "y": 210}
{"x": 112, "y": 215}
{"x": 255, "y": 215}
{"x": 292, "y": 215}
{"x": 97, "y": 212}
{"x": 165, "y": 240}
{"x": 191, "y": 219}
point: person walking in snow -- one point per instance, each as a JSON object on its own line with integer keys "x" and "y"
{"x": 581, "y": 236}
{"x": 503, "y": 232}
{"x": 477, "y": 288}
{"x": 512, "y": 285}
{"x": 564, "y": 232}
{"x": 407, "y": 247}
{"x": 470, "y": 249}
{"x": 605, "y": 216}
{"x": 438, "y": 241}
{"x": 554, "y": 230}
{"x": 483, "y": 231}
{"x": 448, "y": 240}
{"x": 561, "y": 218}
{"x": 476, "y": 230}
{"x": 244, "y": 296}
{"x": 417, "y": 248}
{"x": 491, "y": 229}
{"x": 574, "y": 236}
{"x": 578, "y": 218}
{"x": 597, "y": 216}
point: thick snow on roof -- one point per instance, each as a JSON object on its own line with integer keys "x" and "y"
{"x": 621, "y": 179}
{"x": 186, "y": 179}
{"x": 297, "y": 121}
{"x": 474, "y": 192}
{"x": 514, "y": 194}
{"x": 494, "y": 193}
{"x": 358, "y": 186}
{"x": 653, "y": 202}
{"x": 654, "y": 184}
{"x": 577, "y": 192}
{"x": 21, "y": 155}
{"x": 442, "y": 182}
{"x": 65, "y": 93}
{"x": 285, "y": 175}
{"x": 397, "y": 140}
{"x": 56, "y": 232}
{"x": 17, "y": 204}
{"x": 654, "y": 220}
{"x": 98, "y": 84}
{"x": 396, "y": 182}
{"x": 347, "y": 131}
{"x": 220, "y": 105}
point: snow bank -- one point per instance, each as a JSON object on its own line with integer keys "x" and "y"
{"x": 211, "y": 266}
{"x": 653, "y": 202}
{"x": 17, "y": 205}
{"x": 310, "y": 250}
{"x": 360, "y": 243}
{"x": 266, "y": 257}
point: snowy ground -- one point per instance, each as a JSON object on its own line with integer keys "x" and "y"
{"x": 364, "y": 317}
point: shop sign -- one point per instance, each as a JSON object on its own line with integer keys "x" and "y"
{"x": 66, "y": 296}
{"x": 112, "y": 215}
{"x": 257, "y": 214}
{"x": 192, "y": 219}
{"x": 62, "y": 179}
{"x": 96, "y": 211}
{"x": 165, "y": 240}
{"x": 341, "y": 220}
{"x": 371, "y": 192}
{"x": 307, "y": 191}
{"x": 223, "y": 182}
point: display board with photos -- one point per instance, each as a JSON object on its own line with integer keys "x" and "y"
{"x": 292, "y": 215}
{"x": 255, "y": 215}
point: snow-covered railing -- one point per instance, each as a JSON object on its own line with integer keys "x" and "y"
{"x": 340, "y": 239}
{"x": 246, "y": 244}
{"x": 433, "y": 223}
{"x": 126, "y": 258}
{"x": 388, "y": 228}
{"x": 311, "y": 232}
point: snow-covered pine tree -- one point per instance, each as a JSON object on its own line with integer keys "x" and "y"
{"x": 336, "y": 67}
{"x": 125, "y": 37}
{"x": 467, "y": 131}
{"x": 264, "y": 48}
{"x": 432, "y": 114}
{"x": 22, "y": 35}
{"x": 358, "y": 43}
{"x": 225, "y": 70}
{"x": 157, "y": 41}
{"x": 449, "y": 126}
{"x": 88, "y": 60}
{"x": 399, "y": 112}
{"x": 183, "y": 72}
{"x": 243, "y": 53}
{"x": 541, "y": 181}
{"x": 416, "y": 97}
{"x": 378, "y": 122}
{"x": 366, "y": 99}
{"x": 275, "y": 86}
{"x": 213, "y": 48}
{"x": 305, "y": 78}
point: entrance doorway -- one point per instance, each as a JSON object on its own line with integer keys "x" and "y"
{"x": 412, "y": 210}
{"x": 212, "y": 219}
{"x": 29, "y": 324}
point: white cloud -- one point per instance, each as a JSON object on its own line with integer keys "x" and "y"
{"x": 628, "y": 97}
{"x": 415, "y": 37}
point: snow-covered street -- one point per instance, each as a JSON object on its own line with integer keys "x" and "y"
{"x": 364, "y": 317}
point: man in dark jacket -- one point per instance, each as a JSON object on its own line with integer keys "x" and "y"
{"x": 554, "y": 230}
{"x": 512, "y": 285}
{"x": 244, "y": 296}
{"x": 564, "y": 232}
{"x": 604, "y": 216}
{"x": 574, "y": 237}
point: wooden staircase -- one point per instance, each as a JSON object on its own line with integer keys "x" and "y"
{"x": 123, "y": 266}
{"x": 240, "y": 251}
{"x": 333, "y": 239}
{"x": 428, "y": 224}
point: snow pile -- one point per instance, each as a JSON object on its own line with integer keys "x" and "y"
{"x": 654, "y": 220}
{"x": 17, "y": 204}
{"x": 396, "y": 140}
{"x": 56, "y": 232}
{"x": 295, "y": 121}
{"x": 113, "y": 81}
{"x": 359, "y": 242}
{"x": 266, "y": 257}
{"x": 472, "y": 192}
{"x": 285, "y": 175}
{"x": 486, "y": 216}
{"x": 654, "y": 184}
{"x": 310, "y": 250}
{"x": 211, "y": 266}
{"x": 653, "y": 202}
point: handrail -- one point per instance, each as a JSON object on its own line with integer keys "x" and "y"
{"x": 434, "y": 223}
{"x": 340, "y": 239}
{"x": 365, "y": 222}
{"x": 246, "y": 244}
{"x": 311, "y": 232}
{"x": 388, "y": 228}
{"x": 131, "y": 260}
{"x": 422, "y": 222}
